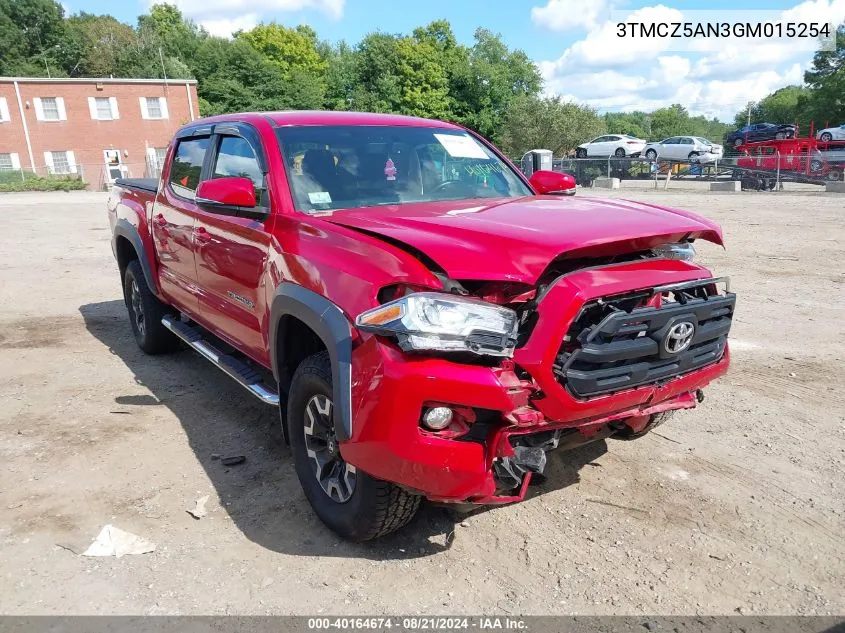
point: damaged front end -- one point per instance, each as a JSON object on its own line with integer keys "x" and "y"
{"x": 593, "y": 350}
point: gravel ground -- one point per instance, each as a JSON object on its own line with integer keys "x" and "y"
{"x": 735, "y": 507}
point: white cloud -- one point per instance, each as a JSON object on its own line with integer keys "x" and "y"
{"x": 225, "y": 27}
{"x": 641, "y": 74}
{"x": 562, "y": 15}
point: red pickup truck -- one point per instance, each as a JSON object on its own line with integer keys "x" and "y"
{"x": 429, "y": 322}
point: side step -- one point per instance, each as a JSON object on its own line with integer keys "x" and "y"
{"x": 241, "y": 372}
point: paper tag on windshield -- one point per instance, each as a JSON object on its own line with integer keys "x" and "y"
{"x": 320, "y": 197}
{"x": 461, "y": 146}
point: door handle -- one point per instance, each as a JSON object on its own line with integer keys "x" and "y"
{"x": 201, "y": 235}
{"x": 160, "y": 221}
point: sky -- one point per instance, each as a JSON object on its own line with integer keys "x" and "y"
{"x": 573, "y": 42}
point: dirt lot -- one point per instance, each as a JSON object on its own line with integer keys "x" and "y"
{"x": 736, "y": 507}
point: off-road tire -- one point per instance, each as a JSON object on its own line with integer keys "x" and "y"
{"x": 152, "y": 337}
{"x": 375, "y": 507}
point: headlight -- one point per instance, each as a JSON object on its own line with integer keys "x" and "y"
{"x": 442, "y": 322}
{"x": 680, "y": 250}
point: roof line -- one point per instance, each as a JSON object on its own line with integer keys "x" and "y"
{"x": 97, "y": 80}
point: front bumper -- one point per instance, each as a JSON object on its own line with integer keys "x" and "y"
{"x": 390, "y": 389}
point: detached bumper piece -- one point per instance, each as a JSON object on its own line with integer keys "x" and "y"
{"x": 625, "y": 342}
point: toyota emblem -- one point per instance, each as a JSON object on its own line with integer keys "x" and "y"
{"x": 679, "y": 337}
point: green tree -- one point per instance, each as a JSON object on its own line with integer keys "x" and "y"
{"x": 548, "y": 123}
{"x": 32, "y": 38}
{"x": 289, "y": 49}
{"x": 826, "y": 84}
{"x": 785, "y": 105}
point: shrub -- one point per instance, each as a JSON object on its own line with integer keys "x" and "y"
{"x": 27, "y": 181}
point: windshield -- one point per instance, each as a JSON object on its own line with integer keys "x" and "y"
{"x": 348, "y": 166}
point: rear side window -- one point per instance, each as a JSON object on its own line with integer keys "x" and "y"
{"x": 187, "y": 166}
{"x": 235, "y": 157}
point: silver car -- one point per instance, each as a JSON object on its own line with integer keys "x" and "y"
{"x": 693, "y": 149}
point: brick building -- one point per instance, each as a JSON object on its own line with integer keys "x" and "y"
{"x": 100, "y": 129}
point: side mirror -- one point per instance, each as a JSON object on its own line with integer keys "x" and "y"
{"x": 234, "y": 196}
{"x": 552, "y": 183}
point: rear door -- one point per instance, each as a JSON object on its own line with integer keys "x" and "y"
{"x": 174, "y": 218}
{"x": 232, "y": 251}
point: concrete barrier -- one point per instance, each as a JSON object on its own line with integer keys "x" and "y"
{"x": 726, "y": 185}
{"x": 835, "y": 186}
{"x": 606, "y": 183}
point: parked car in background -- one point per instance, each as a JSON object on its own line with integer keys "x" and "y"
{"x": 831, "y": 133}
{"x": 619, "y": 145}
{"x": 688, "y": 148}
{"x": 760, "y": 132}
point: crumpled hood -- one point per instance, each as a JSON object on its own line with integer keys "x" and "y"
{"x": 517, "y": 238}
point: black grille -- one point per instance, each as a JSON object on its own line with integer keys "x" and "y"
{"x": 624, "y": 342}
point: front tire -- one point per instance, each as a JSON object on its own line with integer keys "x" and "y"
{"x": 826, "y": 137}
{"x": 580, "y": 153}
{"x": 145, "y": 313}
{"x": 352, "y": 503}
{"x": 780, "y": 136}
{"x": 651, "y": 154}
{"x": 693, "y": 157}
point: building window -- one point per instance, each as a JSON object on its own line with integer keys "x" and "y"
{"x": 153, "y": 108}
{"x": 4, "y": 110}
{"x": 103, "y": 108}
{"x": 60, "y": 162}
{"x": 160, "y": 152}
{"x": 49, "y": 109}
{"x": 6, "y": 162}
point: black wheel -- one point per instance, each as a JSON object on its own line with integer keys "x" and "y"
{"x": 693, "y": 157}
{"x": 351, "y": 502}
{"x": 834, "y": 174}
{"x": 737, "y": 142}
{"x": 826, "y": 137}
{"x": 580, "y": 153}
{"x": 651, "y": 154}
{"x": 816, "y": 165}
{"x": 145, "y": 313}
{"x": 780, "y": 135}
{"x": 619, "y": 153}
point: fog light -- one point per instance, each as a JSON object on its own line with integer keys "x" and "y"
{"x": 438, "y": 418}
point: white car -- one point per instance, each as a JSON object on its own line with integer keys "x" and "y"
{"x": 831, "y": 134}
{"x": 619, "y": 145}
{"x": 693, "y": 149}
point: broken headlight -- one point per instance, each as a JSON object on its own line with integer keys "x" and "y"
{"x": 677, "y": 250}
{"x": 445, "y": 323}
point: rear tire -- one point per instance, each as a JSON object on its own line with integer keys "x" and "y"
{"x": 651, "y": 154}
{"x": 826, "y": 137}
{"x": 780, "y": 136}
{"x": 619, "y": 153}
{"x": 737, "y": 142}
{"x": 145, "y": 313}
{"x": 353, "y": 504}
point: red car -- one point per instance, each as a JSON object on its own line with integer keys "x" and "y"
{"x": 429, "y": 322}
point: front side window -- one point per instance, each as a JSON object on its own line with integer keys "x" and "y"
{"x": 186, "y": 170}
{"x": 235, "y": 157}
{"x": 50, "y": 108}
{"x": 336, "y": 167}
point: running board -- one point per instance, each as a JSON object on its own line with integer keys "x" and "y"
{"x": 241, "y": 372}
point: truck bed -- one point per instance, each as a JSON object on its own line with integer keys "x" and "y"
{"x": 149, "y": 185}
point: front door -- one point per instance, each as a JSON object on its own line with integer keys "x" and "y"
{"x": 173, "y": 222}
{"x": 231, "y": 251}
